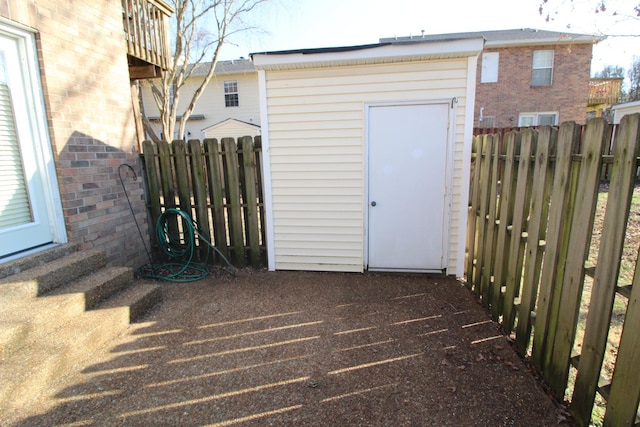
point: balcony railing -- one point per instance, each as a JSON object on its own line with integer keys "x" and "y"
{"x": 146, "y": 31}
{"x": 604, "y": 91}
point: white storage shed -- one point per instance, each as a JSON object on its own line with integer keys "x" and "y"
{"x": 366, "y": 155}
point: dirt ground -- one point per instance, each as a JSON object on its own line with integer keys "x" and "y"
{"x": 313, "y": 349}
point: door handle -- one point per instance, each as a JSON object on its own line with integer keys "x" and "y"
{"x": 373, "y": 203}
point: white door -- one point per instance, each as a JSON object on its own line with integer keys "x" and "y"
{"x": 24, "y": 217}
{"x": 408, "y": 147}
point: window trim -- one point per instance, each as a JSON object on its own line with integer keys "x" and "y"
{"x": 534, "y": 67}
{"x": 231, "y": 97}
{"x": 536, "y": 116}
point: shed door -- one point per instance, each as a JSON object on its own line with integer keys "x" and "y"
{"x": 24, "y": 219}
{"x": 407, "y": 186}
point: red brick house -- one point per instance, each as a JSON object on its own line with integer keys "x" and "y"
{"x": 67, "y": 122}
{"x": 528, "y": 77}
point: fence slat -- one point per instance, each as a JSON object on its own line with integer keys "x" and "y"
{"x": 253, "y": 234}
{"x": 182, "y": 175}
{"x": 199, "y": 190}
{"x": 541, "y": 192}
{"x": 490, "y": 233}
{"x": 581, "y": 227}
{"x": 626, "y": 150}
{"x": 520, "y": 213}
{"x": 474, "y": 206}
{"x": 487, "y": 148}
{"x": 153, "y": 188}
{"x": 216, "y": 195}
{"x": 257, "y": 146}
{"x": 168, "y": 188}
{"x": 507, "y": 195}
{"x": 234, "y": 207}
{"x": 624, "y": 397}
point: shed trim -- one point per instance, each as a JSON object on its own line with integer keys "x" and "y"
{"x": 367, "y": 54}
{"x": 266, "y": 172}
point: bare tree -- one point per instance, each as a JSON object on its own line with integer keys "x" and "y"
{"x": 634, "y": 80}
{"x": 610, "y": 71}
{"x": 621, "y": 10}
{"x": 199, "y": 30}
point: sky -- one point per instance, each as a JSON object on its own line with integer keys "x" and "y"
{"x": 298, "y": 24}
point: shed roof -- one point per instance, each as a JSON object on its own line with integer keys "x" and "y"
{"x": 378, "y": 53}
{"x": 504, "y": 38}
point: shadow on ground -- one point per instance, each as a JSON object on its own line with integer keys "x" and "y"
{"x": 292, "y": 348}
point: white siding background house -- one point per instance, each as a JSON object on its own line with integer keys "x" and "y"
{"x": 317, "y": 110}
{"x": 210, "y": 118}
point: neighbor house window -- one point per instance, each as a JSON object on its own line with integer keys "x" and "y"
{"x": 231, "y": 93}
{"x": 489, "y": 71}
{"x": 542, "y": 69}
{"x": 487, "y": 122}
{"x": 538, "y": 119}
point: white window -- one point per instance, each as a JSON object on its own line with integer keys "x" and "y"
{"x": 489, "y": 72}
{"x": 542, "y": 69}
{"x": 487, "y": 122}
{"x": 538, "y": 119}
{"x": 231, "y": 93}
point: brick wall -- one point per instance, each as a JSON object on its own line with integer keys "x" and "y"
{"x": 513, "y": 93}
{"x": 84, "y": 73}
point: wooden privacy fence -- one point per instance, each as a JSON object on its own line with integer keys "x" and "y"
{"x": 219, "y": 185}
{"x": 531, "y": 216}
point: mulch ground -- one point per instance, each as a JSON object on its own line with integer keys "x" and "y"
{"x": 300, "y": 348}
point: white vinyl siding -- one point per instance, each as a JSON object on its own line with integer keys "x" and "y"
{"x": 211, "y": 104}
{"x": 489, "y": 73}
{"x": 317, "y": 153}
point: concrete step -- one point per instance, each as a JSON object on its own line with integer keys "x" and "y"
{"x": 27, "y": 320}
{"x": 43, "y": 278}
{"x": 26, "y": 374}
{"x": 40, "y": 258}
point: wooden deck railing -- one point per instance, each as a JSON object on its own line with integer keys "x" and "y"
{"x": 146, "y": 31}
{"x": 604, "y": 90}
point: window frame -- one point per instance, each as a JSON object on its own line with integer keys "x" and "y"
{"x": 537, "y": 67}
{"x": 536, "y": 117}
{"x": 231, "y": 93}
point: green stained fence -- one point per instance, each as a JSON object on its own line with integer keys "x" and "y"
{"x": 531, "y": 217}
{"x": 219, "y": 184}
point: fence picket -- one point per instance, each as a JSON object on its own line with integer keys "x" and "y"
{"x": 626, "y": 150}
{"x": 520, "y": 213}
{"x": 253, "y": 234}
{"x": 489, "y": 241}
{"x": 234, "y": 202}
{"x": 168, "y": 188}
{"x": 153, "y": 188}
{"x": 487, "y": 148}
{"x": 533, "y": 259}
{"x": 216, "y": 195}
{"x": 555, "y": 248}
{"x": 199, "y": 189}
{"x": 503, "y": 240}
{"x": 624, "y": 397}
{"x": 581, "y": 227}
{"x": 182, "y": 175}
{"x": 474, "y": 206}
